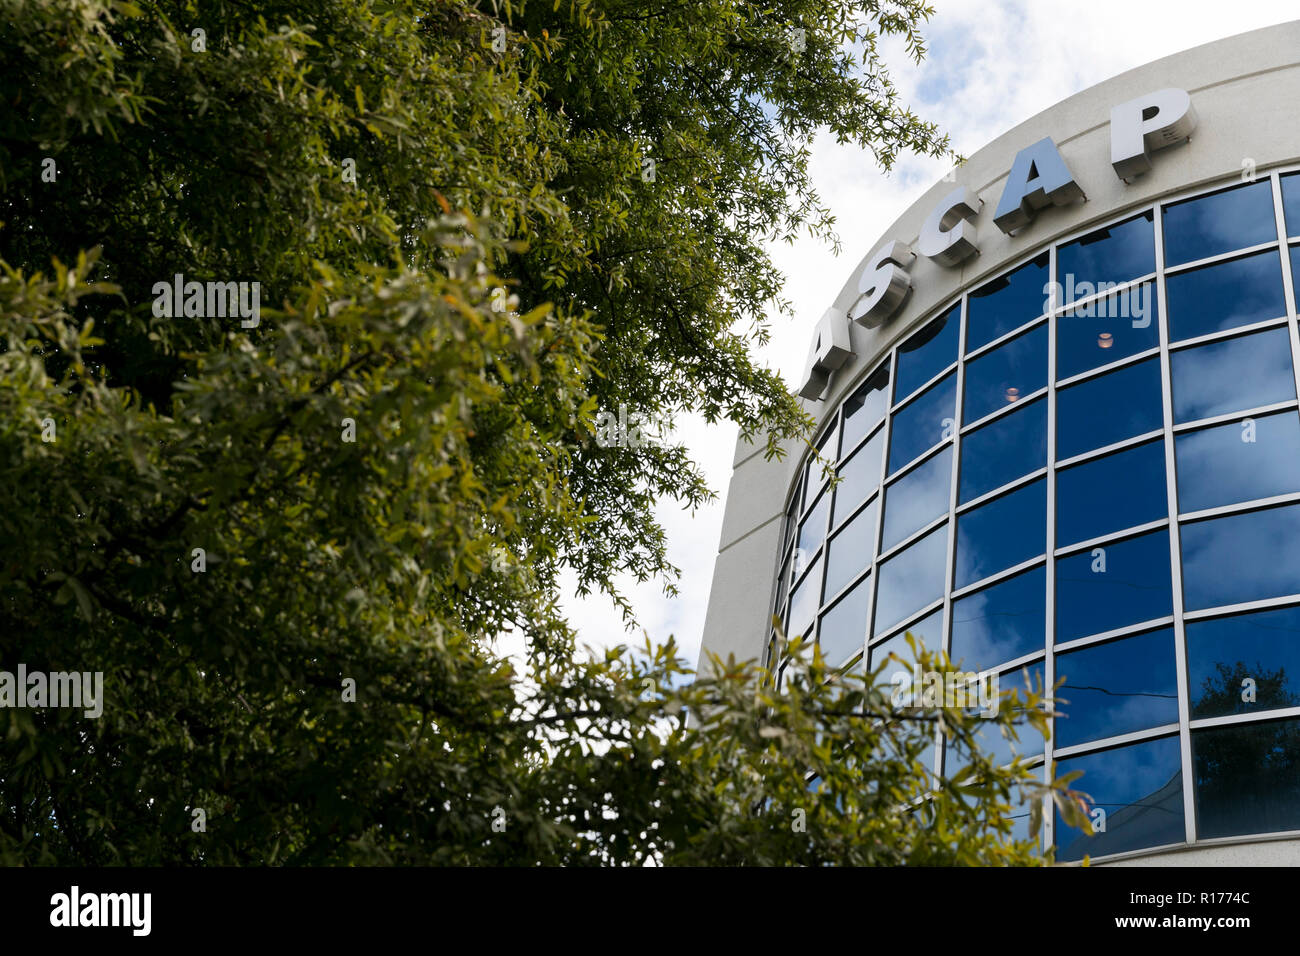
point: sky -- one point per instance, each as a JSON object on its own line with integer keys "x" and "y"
{"x": 990, "y": 65}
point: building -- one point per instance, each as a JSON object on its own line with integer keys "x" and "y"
{"x": 1062, "y": 395}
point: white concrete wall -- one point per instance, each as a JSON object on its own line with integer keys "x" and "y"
{"x": 1269, "y": 852}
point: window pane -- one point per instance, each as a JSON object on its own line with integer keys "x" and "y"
{"x": 782, "y": 582}
{"x": 802, "y": 560}
{"x": 1002, "y": 533}
{"x": 786, "y": 675}
{"x": 1239, "y": 461}
{"x": 1099, "y": 333}
{"x": 1291, "y": 203}
{"x": 928, "y": 633}
{"x": 844, "y": 627}
{"x": 1111, "y": 493}
{"x": 1007, "y": 448}
{"x": 1138, "y": 787}
{"x": 1212, "y": 225}
{"x": 1020, "y": 815}
{"x": 1002, "y": 749}
{"x": 812, "y": 530}
{"x": 851, "y": 550}
{"x": 1005, "y": 375}
{"x": 1242, "y": 557}
{"x": 865, "y": 407}
{"x": 911, "y": 580}
{"x": 791, "y": 520}
{"x": 1000, "y": 623}
{"x": 1232, "y": 375}
{"x": 917, "y": 498}
{"x": 1007, "y": 302}
{"x": 1116, "y": 688}
{"x": 927, "y": 353}
{"x": 1295, "y": 271}
{"x": 1109, "y": 408}
{"x": 1223, "y": 653}
{"x": 1225, "y": 296}
{"x": 814, "y": 472}
{"x": 860, "y": 474}
{"x": 1114, "y": 254}
{"x": 804, "y": 602}
{"x": 922, "y": 423}
{"x": 1247, "y": 778}
{"x": 1113, "y": 586}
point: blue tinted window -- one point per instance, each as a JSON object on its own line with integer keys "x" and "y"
{"x": 1026, "y": 679}
{"x": 1003, "y": 450}
{"x": 1224, "y": 653}
{"x": 911, "y": 579}
{"x": 1116, "y": 688}
{"x": 1111, "y": 493}
{"x": 1247, "y": 778}
{"x": 1002, "y": 533}
{"x": 1114, "y": 254}
{"x": 1000, "y": 623}
{"x": 1005, "y": 375}
{"x": 917, "y": 498}
{"x": 1212, "y": 225}
{"x": 1109, "y": 408}
{"x": 1225, "y": 296}
{"x": 1140, "y": 789}
{"x": 1241, "y": 557}
{"x": 1113, "y": 586}
{"x": 1239, "y": 461}
{"x": 1231, "y": 376}
{"x": 928, "y": 633}
{"x": 859, "y": 476}
{"x": 844, "y": 627}
{"x": 923, "y": 422}
{"x": 1106, "y": 331}
{"x": 865, "y": 407}
{"x": 1007, "y": 302}
{"x": 1001, "y": 749}
{"x": 850, "y": 550}
{"x": 804, "y": 601}
{"x": 1291, "y": 203}
{"x": 1295, "y": 271}
{"x": 815, "y": 476}
{"x": 1020, "y": 816}
{"x": 812, "y": 530}
{"x": 927, "y": 353}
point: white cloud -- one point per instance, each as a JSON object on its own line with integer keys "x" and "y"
{"x": 692, "y": 546}
{"x": 990, "y": 66}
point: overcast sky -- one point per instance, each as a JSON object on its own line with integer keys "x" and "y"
{"x": 991, "y": 64}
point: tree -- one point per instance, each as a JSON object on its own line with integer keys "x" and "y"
{"x": 283, "y": 519}
{"x": 1263, "y": 753}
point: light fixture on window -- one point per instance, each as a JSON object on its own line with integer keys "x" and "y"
{"x": 1105, "y": 340}
{"x": 1012, "y": 393}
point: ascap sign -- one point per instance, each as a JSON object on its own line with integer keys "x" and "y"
{"x": 1039, "y": 178}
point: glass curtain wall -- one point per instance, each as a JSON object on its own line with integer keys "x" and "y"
{"x": 1088, "y": 468}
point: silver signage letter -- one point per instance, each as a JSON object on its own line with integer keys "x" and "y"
{"x": 1151, "y": 122}
{"x": 883, "y": 286}
{"x": 948, "y": 236}
{"x": 830, "y": 350}
{"x": 1038, "y": 178}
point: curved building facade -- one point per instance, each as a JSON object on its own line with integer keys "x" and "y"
{"x": 1061, "y": 394}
